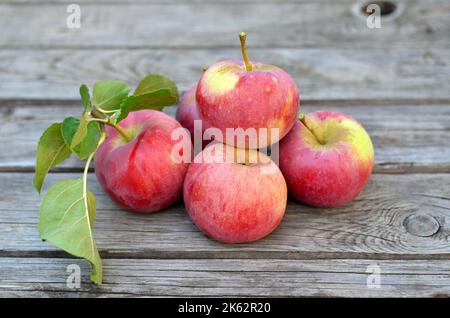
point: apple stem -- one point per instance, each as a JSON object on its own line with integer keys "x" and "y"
{"x": 248, "y": 65}
{"x": 302, "y": 118}
{"x": 108, "y": 121}
{"x": 120, "y": 130}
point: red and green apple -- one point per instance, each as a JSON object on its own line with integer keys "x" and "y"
{"x": 248, "y": 95}
{"x": 326, "y": 158}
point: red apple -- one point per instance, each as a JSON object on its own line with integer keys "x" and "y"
{"x": 326, "y": 158}
{"x": 232, "y": 199}
{"x": 140, "y": 174}
{"x": 186, "y": 114}
{"x": 187, "y": 110}
{"x": 235, "y": 94}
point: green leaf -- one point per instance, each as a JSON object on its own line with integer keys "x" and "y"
{"x": 85, "y": 98}
{"x": 154, "y": 82}
{"x": 66, "y": 219}
{"x": 89, "y": 144}
{"x": 69, "y": 127}
{"x": 51, "y": 151}
{"x": 81, "y": 131}
{"x": 153, "y": 92}
{"x": 108, "y": 95}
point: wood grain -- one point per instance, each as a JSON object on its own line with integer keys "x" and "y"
{"x": 420, "y": 24}
{"x": 36, "y": 277}
{"x": 372, "y": 226}
{"x": 321, "y": 74}
{"x": 173, "y": 2}
{"x": 407, "y": 138}
{"x": 394, "y": 80}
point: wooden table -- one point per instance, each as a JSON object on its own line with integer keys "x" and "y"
{"x": 394, "y": 80}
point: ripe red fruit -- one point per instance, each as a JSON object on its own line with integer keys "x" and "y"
{"x": 234, "y": 94}
{"x": 231, "y": 200}
{"x": 141, "y": 174}
{"x": 326, "y": 159}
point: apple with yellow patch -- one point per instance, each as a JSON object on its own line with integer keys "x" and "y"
{"x": 236, "y": 94}
{"x": 326, "y": 159}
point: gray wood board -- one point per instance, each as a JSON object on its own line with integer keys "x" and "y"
{"x": 321, "y": 74}
{"x": 397, "y": 215}
{"x": 407, "y": 138}
{"x": 416, "y": 24}
{"x": 36, "y": 277}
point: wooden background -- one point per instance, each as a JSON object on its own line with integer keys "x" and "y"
{"x": 394, "y": 80}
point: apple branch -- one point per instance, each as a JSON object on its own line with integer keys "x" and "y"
{"x": 120, "y": 130}
{"x": 103, "y": 118}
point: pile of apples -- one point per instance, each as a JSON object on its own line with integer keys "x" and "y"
{"x": 236, "y": 194}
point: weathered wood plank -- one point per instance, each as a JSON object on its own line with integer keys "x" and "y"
{"x": 172, "y": 2}
{"x": 25, "y": 277}
{"x": 407, "y": 138}
{"x": 322, "y": 74}
{"x": 420, "y": 24}
{"x": 378, "y": 224}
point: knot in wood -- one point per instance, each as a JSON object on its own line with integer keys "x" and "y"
{"x": 422, "y": 225}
